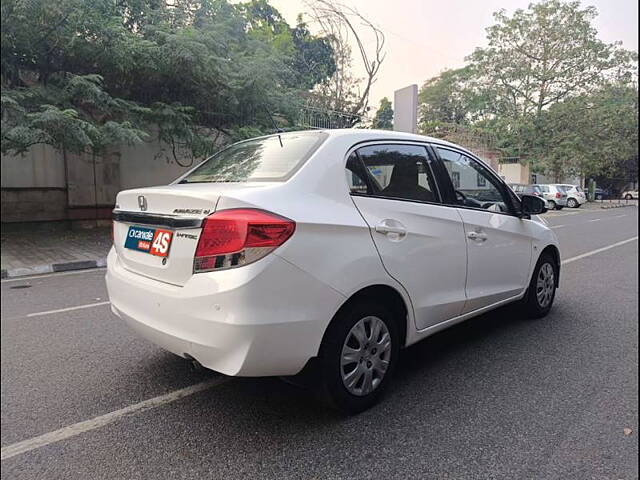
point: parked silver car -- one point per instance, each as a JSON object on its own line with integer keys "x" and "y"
{"x": 575, "y": 194}
{"x": 555, "y": 195}
{"x": 535, "y": 190}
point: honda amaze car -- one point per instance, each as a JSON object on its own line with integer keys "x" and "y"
{"x": 325, "y": 252}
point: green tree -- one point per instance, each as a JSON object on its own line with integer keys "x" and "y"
{"x": 538, "y": 57}
{"x": 85, "y": 75}
{"x": 594, "y": 134}
{"x": 529, "y": 88}
{"x": 383, "y": 118}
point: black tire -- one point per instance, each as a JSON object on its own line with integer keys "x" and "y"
{"x": 532, "y": 305}
{"x": 559, "y": 207}
{"x": 572, "y": 203}
{"x": 628, "y": 197}
{"x": 598, "y": 197}
{"x": 334, "y": 389}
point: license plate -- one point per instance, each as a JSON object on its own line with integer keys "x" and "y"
{"x": 155, "y": 241}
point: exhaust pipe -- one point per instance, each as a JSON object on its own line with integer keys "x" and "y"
{"x": 196, "y": 366}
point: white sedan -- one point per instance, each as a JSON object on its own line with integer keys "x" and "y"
{"x": 328, "y": 252}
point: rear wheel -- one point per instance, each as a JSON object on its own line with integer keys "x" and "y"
{"x": 542, "y": 287}
{"x": 358, "y": 356}
{"x": 552, "y": 205}
{"x": 628, "y": 196}
{"x": 572, "y": 203}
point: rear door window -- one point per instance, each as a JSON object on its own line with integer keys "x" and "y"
{"x": 395, "y": 171}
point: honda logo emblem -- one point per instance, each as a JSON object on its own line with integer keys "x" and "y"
{"x": 142, "y": 203}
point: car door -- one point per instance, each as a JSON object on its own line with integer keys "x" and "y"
{"x": 499, "y": 242}
{"x": 420, "y": 241}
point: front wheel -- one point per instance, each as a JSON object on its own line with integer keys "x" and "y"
{"x": 358, "y": 356}
{"x": 628, "y": 196}
{"x": 542, "y": 288}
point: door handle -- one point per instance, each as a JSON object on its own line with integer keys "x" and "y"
{"x": 477, "y": 236}
{"x": 393, "y": 229}
{"x": 387, "y": 229}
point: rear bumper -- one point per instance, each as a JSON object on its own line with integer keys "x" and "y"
{"x": 263, "y": 319}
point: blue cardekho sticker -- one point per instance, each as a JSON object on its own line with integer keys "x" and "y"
{"x": 139, "y": 238}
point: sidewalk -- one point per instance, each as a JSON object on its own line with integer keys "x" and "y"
{"x": 37, "y": 252}
{"x": 616, "y": 203}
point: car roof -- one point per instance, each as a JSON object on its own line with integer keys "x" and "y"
{"x": 367, "y": 134}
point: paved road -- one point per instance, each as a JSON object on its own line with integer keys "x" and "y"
{"x": 496, "y": 397}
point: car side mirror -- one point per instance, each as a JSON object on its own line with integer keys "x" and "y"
{"x": 532, "y": 205}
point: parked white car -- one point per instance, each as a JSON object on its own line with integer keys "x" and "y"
{"x": 554, "y": 195}
{"x": 329, "y": 250}
{"x": 630, "y": 194}
{"x": 575, "y": 194}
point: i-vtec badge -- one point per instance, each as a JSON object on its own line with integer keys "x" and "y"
{"x": 142, "y": 203}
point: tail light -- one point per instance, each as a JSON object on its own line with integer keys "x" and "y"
{"x": 558, "y": 195}
{"x": 236, "y": 237}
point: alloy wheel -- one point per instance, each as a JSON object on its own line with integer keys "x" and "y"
{"x": 545, "y": 285}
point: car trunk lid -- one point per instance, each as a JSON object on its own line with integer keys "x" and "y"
{"x": 149, "y": 214}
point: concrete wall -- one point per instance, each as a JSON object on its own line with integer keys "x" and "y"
{"x": 515, "y": 173}
{"x": 36, "y": 187}
{"x": 150, "y": 164}
{"x": 41, "y": 167}
{"x": 33, "y": 185}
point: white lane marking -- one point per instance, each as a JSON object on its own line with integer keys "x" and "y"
{"x": 595, "y": 220}
{"x": 599, "y": 250}
{"x": 68, "y": 309}
{"x": 56, "y": 274}
{"x": 558, "y": 226}
{"x": 619, "y": 216}
{"x": 98, "y": 422}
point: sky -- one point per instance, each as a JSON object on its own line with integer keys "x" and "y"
{"x": 424, "y": 37}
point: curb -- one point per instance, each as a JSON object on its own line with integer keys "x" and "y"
{"x": 53, "y": 268}
{"x": 615, "y": 205}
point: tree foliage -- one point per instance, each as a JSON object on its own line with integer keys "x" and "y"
{"x": 83, "y": 74}
{"x": 541, "y": 66}
{"x": 383, "y": 118}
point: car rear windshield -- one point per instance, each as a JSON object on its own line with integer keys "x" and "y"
{"x": 266, "y": 159}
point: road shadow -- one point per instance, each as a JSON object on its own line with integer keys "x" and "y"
{"x": 269, "y": 401}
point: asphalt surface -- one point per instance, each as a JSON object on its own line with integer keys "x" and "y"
{"x": 496, "y": 397}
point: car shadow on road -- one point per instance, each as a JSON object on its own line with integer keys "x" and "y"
{"x": 446, "y": 343}
{"x": 270, "y": 400}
